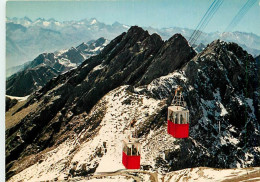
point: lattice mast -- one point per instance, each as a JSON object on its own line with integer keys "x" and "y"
{"x": 178, "y": 99}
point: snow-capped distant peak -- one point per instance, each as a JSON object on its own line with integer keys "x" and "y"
{"x": 94, "y": 21}
{"x": 46, "y": 23}
{"x": 57, "y": 23}
{"x": 125, "y": 26}
{"x": 60, "y": 52}
{"x": 106, "y": 42}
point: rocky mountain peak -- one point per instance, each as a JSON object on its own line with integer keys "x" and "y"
{"x": 27, "y": 19}
{"x": 227, "y": 69}
{"x": 199, "y": 48}
{"x": 100, "y": 41}
{"x": 82, "y": 46}
{"x": 136, "y": 30}
{"x": 177, "y": 37}
{"x": 172, "y": 55}
{"x": 136, "y": 34}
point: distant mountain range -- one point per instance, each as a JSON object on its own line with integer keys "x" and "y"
{"x": 35, "y": 74}
{"x": 248, "y": 41}
{"x": 25, "y": 38}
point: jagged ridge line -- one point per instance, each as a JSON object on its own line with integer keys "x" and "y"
{"x": 211, "y": 16}
{"x": 193, "y": 39}
{"x": 240, "y": 15}
{"x": 196, "y": 29}
{"x": 205, "y": 23}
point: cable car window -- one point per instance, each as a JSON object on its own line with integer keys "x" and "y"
{"x": 171, "y": 116}
{"x": 128, "y": 151}
{"x": 181, "y": 119}
{"x": 176, "y": 118}
{"x": 125, "y": 149}
{"x": 134, "y": 150}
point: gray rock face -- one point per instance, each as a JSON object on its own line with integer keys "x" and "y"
{"x": 199, "y": 48}
{"x": 25, "y": 82}
{"x": 172, "y": 55}
{"x": 9, "y": 103}
{"x": 224, "y": 83}
{"x": 219, "y": 86}
{"x": 258, "y": 64}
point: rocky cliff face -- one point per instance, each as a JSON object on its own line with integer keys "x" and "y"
{"x": 29, "y": 80}
{"x": 9, "y": 103}
{"x": 258, "y": 63}
{"x": 135, "y": 76}
{"x": 199, "y": 48}
{"x": 221, "y": 93}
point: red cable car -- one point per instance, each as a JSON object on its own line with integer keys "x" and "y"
{"x": 131, "y": 151}
{"x": 178, "y": 116}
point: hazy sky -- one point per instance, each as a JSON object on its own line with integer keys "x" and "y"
{"x": 155, "y": 13}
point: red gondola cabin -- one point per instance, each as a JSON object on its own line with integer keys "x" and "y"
{"x": 178, "y": 116}
{"x": 131, "y": 153}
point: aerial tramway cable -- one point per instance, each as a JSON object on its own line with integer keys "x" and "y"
{"x": 205, "y": 20}
{"x": 215, "y": 6}
{"x": 241, "y": 13}
{"x": 202, "y": 21}
{"x": 198, "y": 26}
{"x": 210, "y": 16}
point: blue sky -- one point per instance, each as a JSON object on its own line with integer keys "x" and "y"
{"x": 155, "y": 13}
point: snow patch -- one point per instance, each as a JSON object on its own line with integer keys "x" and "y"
{"x": 125, "y": 26}
{"x": 94, "y": 21}
{"x": 18, "y": 98}
{"x": 223, "y": 110}
{"x": 46, "y": 23}
{"x": 98, "y": 67}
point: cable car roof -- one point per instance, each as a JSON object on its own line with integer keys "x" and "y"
{"x": 178, "y": 108}
{"x": 131, "y": 141}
